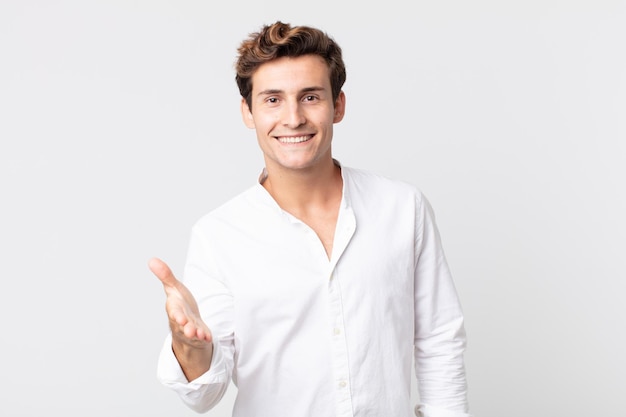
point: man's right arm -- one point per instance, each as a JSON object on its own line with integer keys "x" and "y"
{"x": 191, "y": 361}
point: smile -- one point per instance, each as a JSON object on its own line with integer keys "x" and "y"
{"x": 294, "y": 139}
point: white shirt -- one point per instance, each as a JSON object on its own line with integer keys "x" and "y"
{"x": 302, "y": 335}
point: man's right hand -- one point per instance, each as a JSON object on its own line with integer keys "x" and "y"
{"x": 191, "y": 338}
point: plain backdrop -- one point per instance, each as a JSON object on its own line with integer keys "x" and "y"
{"x": 120, "y": 127}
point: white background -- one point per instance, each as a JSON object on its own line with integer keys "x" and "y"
{"x": 120, "y": 126}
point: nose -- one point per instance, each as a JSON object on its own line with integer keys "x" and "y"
{"x": 293, "y": 115}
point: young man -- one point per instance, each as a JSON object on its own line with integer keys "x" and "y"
{"x": 316, "y": 288}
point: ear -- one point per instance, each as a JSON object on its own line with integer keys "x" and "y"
{"x": 340, "y": 107}
{"x": 246, "y": 114}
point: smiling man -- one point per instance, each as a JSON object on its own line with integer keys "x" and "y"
{"x": 317, "y": 289}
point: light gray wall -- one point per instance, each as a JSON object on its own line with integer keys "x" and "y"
{"x": 119, "y": 127}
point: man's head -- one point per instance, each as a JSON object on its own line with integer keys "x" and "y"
{"x": 283, "y": 40}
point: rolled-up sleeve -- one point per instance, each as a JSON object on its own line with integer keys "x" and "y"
{"x": 202, "y": 393}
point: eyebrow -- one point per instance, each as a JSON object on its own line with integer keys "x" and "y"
{"x": 276, "y": 91}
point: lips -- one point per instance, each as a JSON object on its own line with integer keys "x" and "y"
{"x": 294, "y": 139}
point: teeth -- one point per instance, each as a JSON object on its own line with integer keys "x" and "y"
{"x": 293, "y": 139}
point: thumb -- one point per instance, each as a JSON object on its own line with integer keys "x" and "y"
{"x": 162, "y": 272}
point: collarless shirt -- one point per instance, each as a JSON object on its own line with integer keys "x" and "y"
{"x": 304, "y": 335}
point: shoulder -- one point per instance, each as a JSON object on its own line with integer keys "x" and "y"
{"x": 377, "y": 185}
{"x": 233, "y": 211}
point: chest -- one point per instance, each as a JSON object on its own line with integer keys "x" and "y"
{"x": 324, "y": 226}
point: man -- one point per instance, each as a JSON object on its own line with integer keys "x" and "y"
{"x": 316, "y": 288}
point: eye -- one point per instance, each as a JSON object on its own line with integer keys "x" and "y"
{"x": 272, "y": 100}
{"x": 310, "y": 98}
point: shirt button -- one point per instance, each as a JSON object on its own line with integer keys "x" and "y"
{"x": 343, "y": 384}
{"x": 336, "y": 331}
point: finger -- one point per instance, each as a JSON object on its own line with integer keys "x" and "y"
{"x": 162, "y": 272}
{"x": 176, "y": 308}
{"x": 178, "y": 317}
{"x": 190, "y": 330}
{"x": 203, "y": 334}
{"x": 193, "y": 331}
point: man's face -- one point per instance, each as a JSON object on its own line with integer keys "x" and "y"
{"x": 293, "y": 112}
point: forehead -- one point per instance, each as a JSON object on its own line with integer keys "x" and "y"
{"x": 288, "y": 74}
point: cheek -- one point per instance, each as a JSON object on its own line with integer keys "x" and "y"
{"x": 265, "y": 121}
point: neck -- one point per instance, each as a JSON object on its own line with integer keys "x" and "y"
{"x": 298, "y": 191}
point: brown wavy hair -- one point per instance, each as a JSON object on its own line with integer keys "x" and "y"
{"x": 283, "y": 40}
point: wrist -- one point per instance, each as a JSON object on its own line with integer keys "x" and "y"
{"x": 194, "y": 359}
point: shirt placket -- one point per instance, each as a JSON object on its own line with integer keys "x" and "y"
{"x": 339, "y": 343}
{"x": 339, "y": 349}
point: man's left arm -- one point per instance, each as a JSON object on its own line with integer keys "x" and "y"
{"x": 439, "y": 341}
